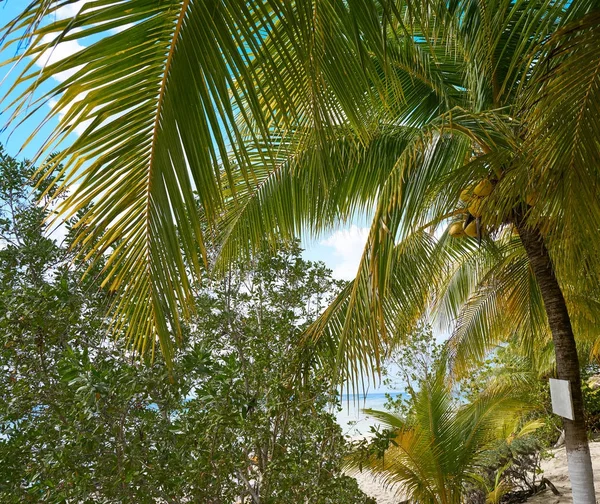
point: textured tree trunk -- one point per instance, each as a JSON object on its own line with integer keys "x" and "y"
{"x": 567, "y": 362}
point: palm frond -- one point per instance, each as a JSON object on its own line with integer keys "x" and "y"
{"x": 166, "y": 93}
{"x": 308, "y": 189}
{"x": 561, "y": 103}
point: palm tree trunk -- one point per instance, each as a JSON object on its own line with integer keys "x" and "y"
{"x": 567, "y": 362}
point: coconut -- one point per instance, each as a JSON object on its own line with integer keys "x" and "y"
{"x": 475, "y": 207}
{"x": 456, "y": 230}
{"x": 466, "y": 195}
{"x": 471, "y": 229}
{"x": 484, "y": 188}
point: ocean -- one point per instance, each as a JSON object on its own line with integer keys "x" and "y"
{"x": 352, "y": 420}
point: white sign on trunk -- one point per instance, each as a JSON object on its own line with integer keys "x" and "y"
{"x": 562, "y": 403}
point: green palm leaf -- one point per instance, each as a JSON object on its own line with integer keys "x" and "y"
{"x": 166, "y": 92}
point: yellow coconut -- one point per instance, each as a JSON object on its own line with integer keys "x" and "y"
{"x": 471, "y": 229}
{"x": 475, "y": 207}
{"x": 466, "y": 195}
{"x": 456, "y": 230}
{"x": 484, "y": 188}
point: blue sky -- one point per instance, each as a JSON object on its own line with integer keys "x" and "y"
{"x": 12, "y": 140}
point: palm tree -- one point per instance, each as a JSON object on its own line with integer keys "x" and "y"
{"x": 501, "y": 100}
{"x": 436, "y": 453}
{"x": 320, "y": 109}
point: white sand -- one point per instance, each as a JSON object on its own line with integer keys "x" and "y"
{"x": 555, "y": 469}
{"x": 372, "y": 486}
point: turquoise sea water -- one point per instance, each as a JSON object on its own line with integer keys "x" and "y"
{"x": 353, "y": 421}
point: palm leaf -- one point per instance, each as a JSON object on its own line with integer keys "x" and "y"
{"x": 166, "y": 92}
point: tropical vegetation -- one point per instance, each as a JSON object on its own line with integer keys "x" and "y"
{"x": 469, "y": 131}
{"x": 437, "y": 453}
{"x": 477, "y": 440}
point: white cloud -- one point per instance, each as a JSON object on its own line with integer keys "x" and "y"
{"x": 58, "y": 53}
{"x": 64, "y": 49}
{"x": 58, "y": 233}
{"x": 348, "y": 245}
{"x": 70, "y": 10}
{"x": 81, "y": 125}
{"x": 120, "y": 29}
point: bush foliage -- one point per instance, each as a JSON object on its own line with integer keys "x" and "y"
{"x": 243, "y": 415}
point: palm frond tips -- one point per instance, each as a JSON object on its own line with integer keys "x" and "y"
{"x": 563, "y": 104}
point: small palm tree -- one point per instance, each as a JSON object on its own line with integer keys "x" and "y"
{"x": 436, "y": 453}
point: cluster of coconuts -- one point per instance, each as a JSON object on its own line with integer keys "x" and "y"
{"x": 473, "y": 198}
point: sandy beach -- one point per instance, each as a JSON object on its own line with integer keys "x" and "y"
{"x": 370, "y": 485}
